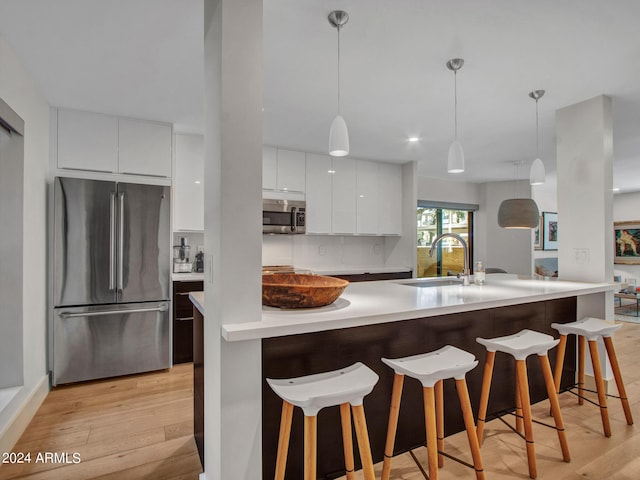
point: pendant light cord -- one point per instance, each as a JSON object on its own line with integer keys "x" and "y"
{"x": 455, "y": 104}
{"x": 537, "y": 134}
{"x": 338, "y": 27}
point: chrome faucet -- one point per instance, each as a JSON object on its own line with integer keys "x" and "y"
{"x": 465, "y": 247}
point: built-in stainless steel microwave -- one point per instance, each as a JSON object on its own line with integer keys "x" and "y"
{"x": 283, "y": 216}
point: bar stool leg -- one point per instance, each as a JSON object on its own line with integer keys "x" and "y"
{"x": 555, "y": 406}
{"x": 581, "y": 350}
{"x": 440, "y": 421}
{"x": 519, "y": 426}
{"x": 562, "y": 348}
{"x": 523, "y": 386}
{"x": 283, "y": 440}
{"x": 396, "y": 395}
{"x": 467, "y": 415}
{"x": 602, "y": 396}
{"x": 484, "y": 395}
{"x": 608, "y": 343}
{"x": 363, "y": 441}
{"x": 310, "y": 447}
{"x": 432, "y": 438}
{"x": 347, "y": 440}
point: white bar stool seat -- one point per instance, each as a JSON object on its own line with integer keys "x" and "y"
{"x": 592, "y": 329}
{"x": 521, "y": 345}
{"x": 431, "y": 369}
{"x": 345, "y": 387}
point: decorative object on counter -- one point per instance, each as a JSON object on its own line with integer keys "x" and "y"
{"x": 627, "y": 242}
{"x": 181, "y": 262}
{"x": 338, "y": 134}
{"x": 295, "y": 290}
{"x": 518, "y": 212}
{"x": 479, "y": 274}
{"x": 455, "y": 162}
{"x": 592, "y": 330}
{"x": 550, "y": 236}
{"x": 537, "y": 173}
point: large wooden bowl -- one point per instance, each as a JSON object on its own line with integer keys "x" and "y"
{"x": 297, "y": 290}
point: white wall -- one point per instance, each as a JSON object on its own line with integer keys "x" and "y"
{"x": 509, "y": 249}
{"x": 625, "y": 209}
{"x": 19, "y": 91}
{"x": 448, "y": 191}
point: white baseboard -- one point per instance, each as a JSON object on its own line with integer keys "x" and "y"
{"x": 18, "y": 423}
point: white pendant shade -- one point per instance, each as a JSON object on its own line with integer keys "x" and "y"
{"x": 537, "y": 173}
{"x": 338, "y": 138}
{"x": 455, "y": 163}
{"x": 518, "y": 213}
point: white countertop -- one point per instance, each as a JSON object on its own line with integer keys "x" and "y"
{"x": 197, "y": 298}
{"x": 352, "y": 269}
{"x": 368, "y": 303}
{"x": 187, "y": 277}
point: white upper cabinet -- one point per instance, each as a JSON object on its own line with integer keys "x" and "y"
{"x": 104, "y": 143}
{"x": 367, "y": 217}
{"x": 269, "y": 168}
{"x": 318, "y": 193}
{"x": 291, "y": 171}
{"x": 283, "y": 170}
{"x": 144, "y": 148}
{"x": 343, "y": 198}
{"x": 188, "y": 183}
{"x": 390, "y": 199}
{"x": 87, "y": 141}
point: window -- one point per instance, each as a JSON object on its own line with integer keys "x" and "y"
{"x": 435, "y": 219}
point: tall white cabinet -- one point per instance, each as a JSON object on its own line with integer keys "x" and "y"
{"x": 188, "y": 183}
{"x": 318, "y": 193}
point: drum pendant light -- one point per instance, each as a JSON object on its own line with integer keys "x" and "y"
{"x": 455, "y": 162}
{"x": 518, "y": 213}
{"x": 338, "y": 134}
{"x": 537, "y": 173}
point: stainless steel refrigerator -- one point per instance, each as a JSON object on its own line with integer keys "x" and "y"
{"x": 111, "y": 245}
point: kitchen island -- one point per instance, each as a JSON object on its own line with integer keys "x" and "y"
{"x": 399, "y": 318}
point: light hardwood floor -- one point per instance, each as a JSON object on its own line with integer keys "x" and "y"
{"x": 141, "y": 427}
{"x": 134, "y": 427}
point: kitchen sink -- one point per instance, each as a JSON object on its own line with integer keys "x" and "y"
{"x": 435, "y": 282}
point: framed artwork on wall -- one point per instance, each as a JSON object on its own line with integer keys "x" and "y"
{"x": 627, "y": 242}
{"x": 537, "y": 235}
{"x": 550, "y": 231}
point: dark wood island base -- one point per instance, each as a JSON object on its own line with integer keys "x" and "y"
{"x": 304, "y": 354}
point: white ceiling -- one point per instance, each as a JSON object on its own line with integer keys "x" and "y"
{"x": 143, "y": 58}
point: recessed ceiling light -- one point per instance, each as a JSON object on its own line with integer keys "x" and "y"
{"x": 331, "y": 171}
{"x": 616, "y": 189}
{"x": 198, "y": 182}
{"x": 414, "y": 139}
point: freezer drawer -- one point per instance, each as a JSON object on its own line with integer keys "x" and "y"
{"x": 106, "y": 341}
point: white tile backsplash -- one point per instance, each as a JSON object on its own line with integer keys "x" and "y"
{"x": 321, "y": 250}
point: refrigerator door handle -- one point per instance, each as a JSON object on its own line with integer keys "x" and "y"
{"x": 161, "y": 308}
{"x": 121, "y": 244}
{"x": 112, "y": 241}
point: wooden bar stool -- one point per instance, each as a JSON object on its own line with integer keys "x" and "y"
{"x": 520, "y": 346}
{"x": 591, "y": 329}
{"x": 431, "y": 369}
{"x": 344, "y": 387}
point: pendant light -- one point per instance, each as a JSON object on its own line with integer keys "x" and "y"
{"x": 338, "y": 134}
{"x": 537, "y": 173}
{"x": 518, "y": 212}
{"x": 455, "y": 162}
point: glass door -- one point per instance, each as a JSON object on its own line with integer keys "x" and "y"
{"x": 448, "y": 258}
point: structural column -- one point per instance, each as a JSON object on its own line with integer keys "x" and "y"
{"x": 584, "y": 136}
{"x": 233, "y": 236}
